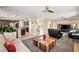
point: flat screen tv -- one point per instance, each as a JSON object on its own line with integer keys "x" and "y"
{"x": 65, "y": 26}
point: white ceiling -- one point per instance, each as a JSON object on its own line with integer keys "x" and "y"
{"x": 27, "y": 11}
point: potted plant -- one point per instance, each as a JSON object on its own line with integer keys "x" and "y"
{"x": 8, "y": 31}
{"x": 6, "y": 28}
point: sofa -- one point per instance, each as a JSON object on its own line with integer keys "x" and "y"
{"x": 20, "y": 47}
{"x": 74, "y": 35}
{"x": 55, "y": 33}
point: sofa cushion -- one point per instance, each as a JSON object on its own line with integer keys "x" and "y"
{"x": 2, "y": 48}
{"x": 20, "y": 47}
{"x": 2, "y": 41}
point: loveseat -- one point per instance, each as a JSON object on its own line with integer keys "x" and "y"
{"x": 74, "y": 35}
{"x": 20, "y": 47}
{"x": 54, "y": 33}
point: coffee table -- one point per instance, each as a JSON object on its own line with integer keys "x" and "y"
{"x": 45, "y": 44}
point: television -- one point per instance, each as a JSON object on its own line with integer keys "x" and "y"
{"x": 65, "y": 27}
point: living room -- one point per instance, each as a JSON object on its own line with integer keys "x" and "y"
{"x": 39, "y": 28}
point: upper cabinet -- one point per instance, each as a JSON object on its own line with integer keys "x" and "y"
{"x": 4, "y": 21}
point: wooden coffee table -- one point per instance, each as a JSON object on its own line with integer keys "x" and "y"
{"x": 44, "y": 45}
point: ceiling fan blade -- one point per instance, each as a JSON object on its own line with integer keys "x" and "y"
{"x": 50, "y": 11}
{"x": 47, "y": 9}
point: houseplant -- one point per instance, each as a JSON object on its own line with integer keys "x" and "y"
{"x": 8, "y": 31}
{"x": 6, "y": 28}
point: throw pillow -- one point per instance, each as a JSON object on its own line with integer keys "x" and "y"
{"x": 10, "y": 46}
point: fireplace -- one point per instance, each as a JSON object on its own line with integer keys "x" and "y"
{"x": 64, "y": 27}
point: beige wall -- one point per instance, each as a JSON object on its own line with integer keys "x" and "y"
{"x": 33, "y": 24}
{"x": 45, "y": 24}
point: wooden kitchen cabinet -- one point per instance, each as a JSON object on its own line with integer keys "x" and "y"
{"x": 23, "y": 31}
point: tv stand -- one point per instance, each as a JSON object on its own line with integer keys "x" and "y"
{"x": 64, "y": 30}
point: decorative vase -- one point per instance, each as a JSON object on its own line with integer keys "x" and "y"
{"x": 44, "y": 37}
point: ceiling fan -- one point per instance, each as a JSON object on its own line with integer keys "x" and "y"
{"x": 48, "y": 10}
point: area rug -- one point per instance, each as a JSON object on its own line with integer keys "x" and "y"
{"x": 61, "y": 46}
